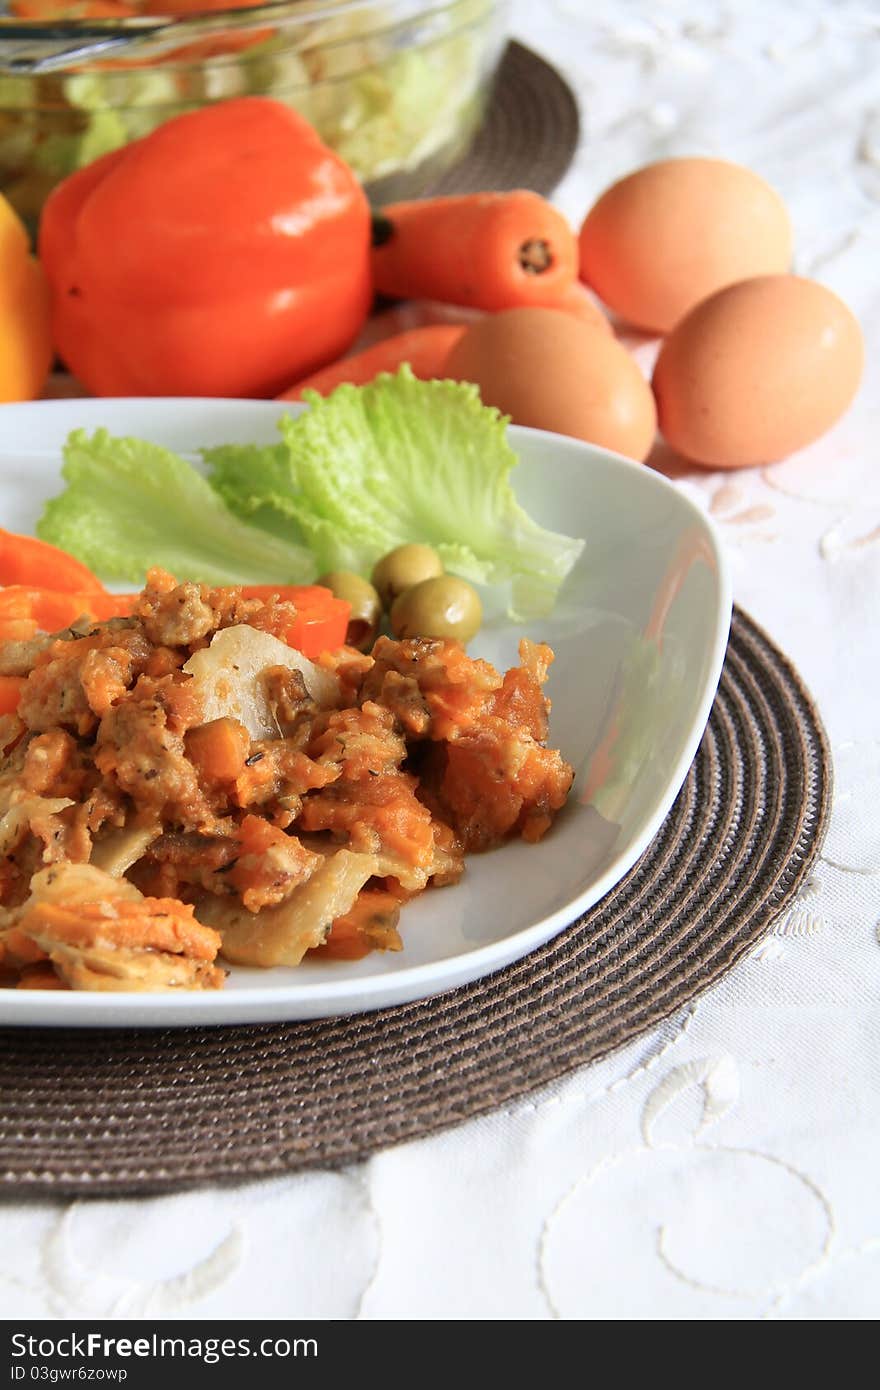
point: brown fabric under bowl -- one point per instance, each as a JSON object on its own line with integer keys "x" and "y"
{"x": 107, "y": 1112}
{"x": 528, "y": 135}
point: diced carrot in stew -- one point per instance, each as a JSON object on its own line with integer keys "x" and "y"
{"x": 371, "y": 925}
{"x": 219, "y": 748}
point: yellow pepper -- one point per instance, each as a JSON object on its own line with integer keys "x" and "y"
{"x": 25, "y": 332}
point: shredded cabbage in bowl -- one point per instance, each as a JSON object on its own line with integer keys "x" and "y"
{"x": 392, "y": 87}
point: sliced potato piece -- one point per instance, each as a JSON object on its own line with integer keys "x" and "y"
{"x": 444, "y": 866}
{"x": 115, "y": 852}
{"x": 412, "y": 877}
{"x": 122, "y": 968}
{"x": 64, "y": 884}
{"x": 70, "y": 884}
{"x": 281, "y": 935}
{"x": 101, "y": 933}
{"x": 16, "y": 822}
{"x": 228, "y": 678}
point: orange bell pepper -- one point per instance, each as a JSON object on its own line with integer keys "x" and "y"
{"x": 321, "y": 621}
{"x": 25, "y": 336}
{"x": 225, "y": 254}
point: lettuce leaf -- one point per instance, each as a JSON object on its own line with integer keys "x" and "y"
{"x": 129, "y": 505}
{"x": 372, "y": 467}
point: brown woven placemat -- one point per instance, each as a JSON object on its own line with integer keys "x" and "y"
{"x": 528, "y": 135}
{"x": 89, "y": 1112}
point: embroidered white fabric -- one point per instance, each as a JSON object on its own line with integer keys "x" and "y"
{"x": 726, "y": 1165}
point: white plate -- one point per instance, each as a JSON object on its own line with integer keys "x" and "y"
{"x": 652, "y": 564}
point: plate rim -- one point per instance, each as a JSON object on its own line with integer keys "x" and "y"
{"x": 413, "y": 984}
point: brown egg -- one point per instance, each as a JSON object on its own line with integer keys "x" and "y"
{"x": 756, "y": 371}
{"x": 669, "y": 235}
{"x": 554, "y": 372}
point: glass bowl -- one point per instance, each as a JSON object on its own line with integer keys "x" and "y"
{"x": 398, "y": 88}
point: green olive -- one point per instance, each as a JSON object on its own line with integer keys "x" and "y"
{"x": 366, "y": 610}
{"x": 403, "y": 568}
{"x": 439, "y": 607}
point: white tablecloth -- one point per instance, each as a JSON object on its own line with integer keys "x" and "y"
{"x": 724, "y": 1166}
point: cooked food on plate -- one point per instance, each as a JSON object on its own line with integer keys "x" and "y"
{"x": 232, "y": 765}
{"x": 180, "y": 787}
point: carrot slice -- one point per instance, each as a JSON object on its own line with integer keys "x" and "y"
{"x": 425, "y": 349}
{"x": 314, "y": 633}
{"x": 26, "y": 560}
{"x": 482, "y": 250}
{"x": 50, "y": 610}
{"x": 321, "y": 620}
